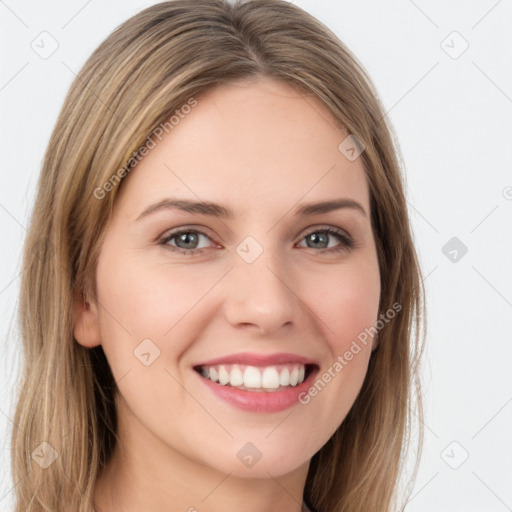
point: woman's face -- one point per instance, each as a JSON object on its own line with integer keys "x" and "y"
{"x": 261, "y": 287}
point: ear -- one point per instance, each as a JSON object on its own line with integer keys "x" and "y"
{"x": 86, "y": 325}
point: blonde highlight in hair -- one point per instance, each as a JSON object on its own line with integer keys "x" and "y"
{"x": 146, "y": 69}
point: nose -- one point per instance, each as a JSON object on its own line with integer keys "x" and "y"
{"x": 260, "y": 296}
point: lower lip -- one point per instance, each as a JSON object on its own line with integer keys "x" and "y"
{"x": 260, "y": 401}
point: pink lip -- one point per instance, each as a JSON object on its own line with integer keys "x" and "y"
{"x": 253, "y": 359}
{"x": 260, "y": 401}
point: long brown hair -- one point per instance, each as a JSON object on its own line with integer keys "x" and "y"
{"x": 146, "y": 69}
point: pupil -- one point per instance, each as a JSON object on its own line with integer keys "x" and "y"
{"x": 186, "y": 237}
{"x": 319, "y": 237}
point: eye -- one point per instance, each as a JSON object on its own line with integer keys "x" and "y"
{"x": 188, "y": 241}
{"x": 184, "y": 241}
{"x": 321, "y": 238}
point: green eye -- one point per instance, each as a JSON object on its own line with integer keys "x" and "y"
{"x": 320, "y": 238}
{"x": 186, "y": 241}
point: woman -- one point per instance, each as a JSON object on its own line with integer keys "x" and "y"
{"x": 220, "y": 309}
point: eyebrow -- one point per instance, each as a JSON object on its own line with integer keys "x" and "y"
{"x": 216, "y": 210}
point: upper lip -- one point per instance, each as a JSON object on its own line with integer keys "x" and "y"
{"x": 254, "y": 359}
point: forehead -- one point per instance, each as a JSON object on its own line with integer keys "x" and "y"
{"x": 249, "y": 144}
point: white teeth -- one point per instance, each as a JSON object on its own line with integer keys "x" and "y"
{"x": 252, "y": 377}
{"x": 284, "y": 379}
{"x": 302, "y": 372}
{"x": 213, "y": 374}
{"x": 294, "y": 376}
{"x": 236, "y": 376}
{"x": 270, "y": 378}
{"x": 223, "y": 375}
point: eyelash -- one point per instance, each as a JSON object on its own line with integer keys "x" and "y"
{"x": 346, "y": 245}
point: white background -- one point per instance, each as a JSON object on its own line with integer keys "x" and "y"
{"x": 453, "y": 119}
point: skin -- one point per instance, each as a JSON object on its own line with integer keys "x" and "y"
{"x": 261, "y": 150}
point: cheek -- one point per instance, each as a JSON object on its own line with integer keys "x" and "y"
{"x": 141, "y": 301}
{"x": 346, "y": 305}
{"x": 346, "y": 301}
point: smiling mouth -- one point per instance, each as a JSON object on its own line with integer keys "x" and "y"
{"x": 269, "y": 378}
